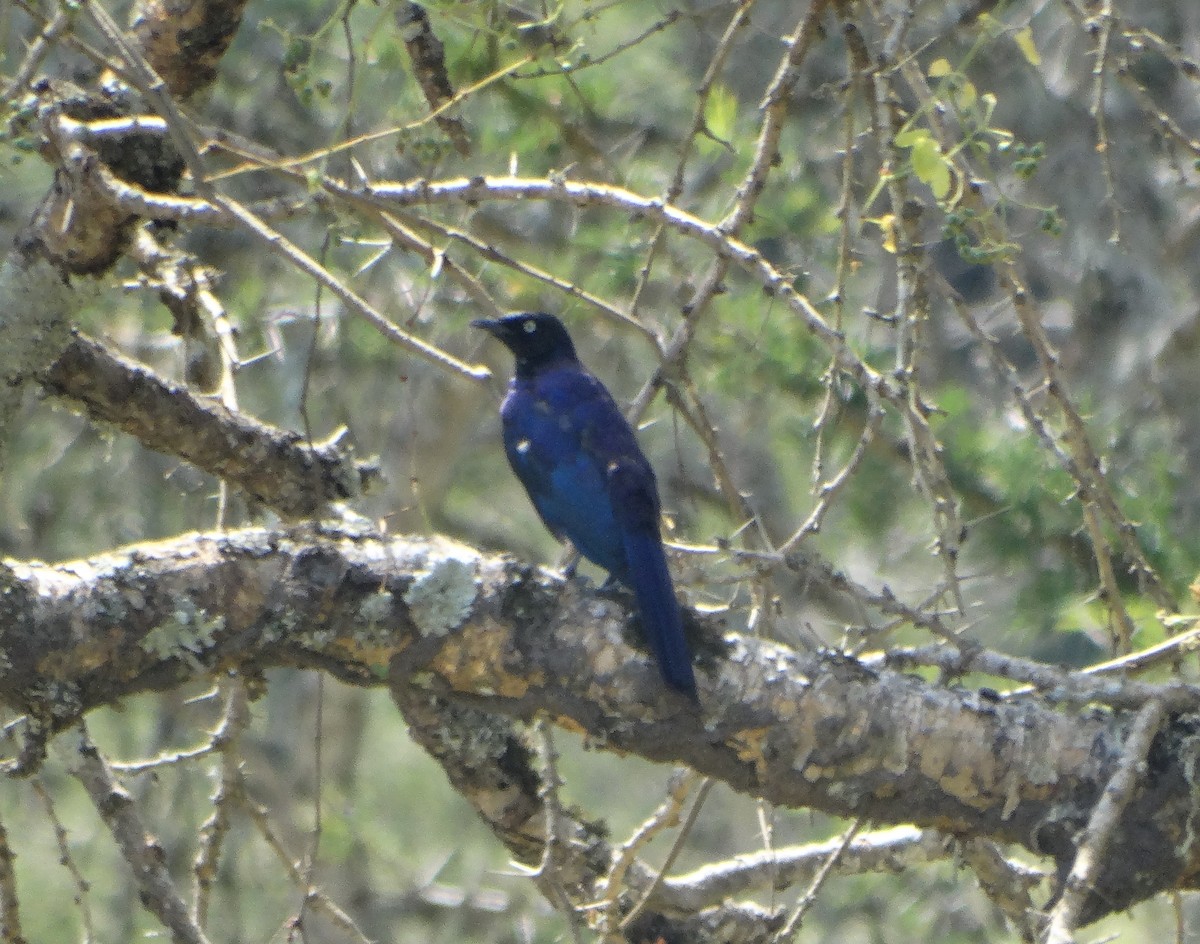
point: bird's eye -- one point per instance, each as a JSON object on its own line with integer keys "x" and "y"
{"x": 530, "y": 326}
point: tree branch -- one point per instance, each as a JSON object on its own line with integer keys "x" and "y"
{"x": 76, "y": 231}
{"x": 277, "y": 467}
{"x": 443, "y": 624}
{"x": 140, "y": 849}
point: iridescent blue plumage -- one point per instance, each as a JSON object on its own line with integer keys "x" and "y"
{"x": 578, "y": 458}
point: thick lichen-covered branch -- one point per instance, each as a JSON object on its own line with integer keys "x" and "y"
{"x": 438, "y": 620}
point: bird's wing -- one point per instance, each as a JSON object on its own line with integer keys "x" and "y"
{"x": 635, "y": 501}
{"x": 633, "y": 494}
{"x": 546, "y": 424}
{"x": 532, "y": 449}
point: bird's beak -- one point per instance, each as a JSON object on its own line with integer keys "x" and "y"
{"x": 490, "y": 325}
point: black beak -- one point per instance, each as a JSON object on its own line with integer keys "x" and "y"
{"x": 491, "y": 325}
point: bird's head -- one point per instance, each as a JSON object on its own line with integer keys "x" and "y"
{"x": 535, "y": 338}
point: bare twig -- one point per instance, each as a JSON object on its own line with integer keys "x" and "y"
{"x": 810, "y": 896}
{"x": 145, "y": 857}
{"x": 38, "y": 50}
{"x": 278, "y": 243}
{"x": 626, "y": 855}
{"x": 213, "y": 831}
{"x": 774, "y": 109}
{"x": 775, "y": 282}
{"x": 1051, "y": 682}
{"x": 10, "y": 902}
{"x": 548, "y": 870}
{"x": 1007, "y": 884}
{"x": 1093, "y": 844}
{"x": 491, "y": 253}
{"x": 885, "y": 850}
{"x": 685, "y": 830}
{"x": 829, "y": 490}
{"x": 313, "y": 897}
{"x": 66, "y": 859}
{"x": 1104, "y": 26}
{"x": 712, "y": 72}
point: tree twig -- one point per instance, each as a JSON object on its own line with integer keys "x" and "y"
{"x": 1094, "y": 843}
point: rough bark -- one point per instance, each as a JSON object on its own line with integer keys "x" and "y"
{"x": 440, "y": 621}
{"x": 275, "y": 467}
{"x": 76, "y": 233}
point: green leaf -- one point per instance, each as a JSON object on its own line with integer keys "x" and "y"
{"x": 720, "y": 114}
{"x": 911, "y": 137}
{"x": 930, "y": 166}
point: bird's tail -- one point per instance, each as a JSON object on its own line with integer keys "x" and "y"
{"x": 662, "y": 621}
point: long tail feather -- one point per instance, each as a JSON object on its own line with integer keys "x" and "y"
{"x": 650, "y": 581}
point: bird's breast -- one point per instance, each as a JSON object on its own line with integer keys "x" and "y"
{"x": 545, "y": 435}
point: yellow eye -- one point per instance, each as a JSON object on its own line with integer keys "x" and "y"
{"x": 530, "y": 326}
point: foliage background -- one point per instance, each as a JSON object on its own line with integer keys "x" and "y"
{"x": 1104, "y": 237}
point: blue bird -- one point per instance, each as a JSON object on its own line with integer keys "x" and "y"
{"x": 579, "y": 460}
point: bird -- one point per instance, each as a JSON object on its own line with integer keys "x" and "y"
{"x": 577, "y": 456}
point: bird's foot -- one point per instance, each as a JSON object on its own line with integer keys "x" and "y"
{"x": 613, "y": 589}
